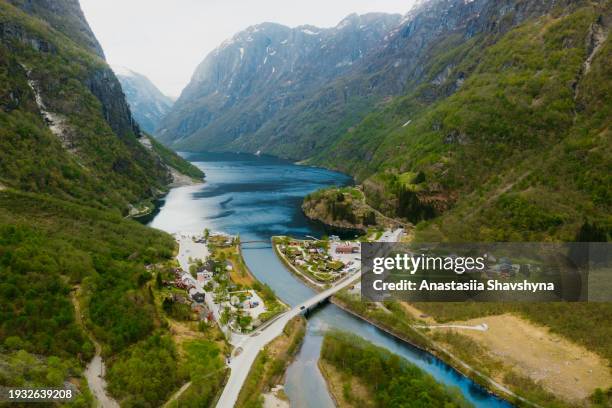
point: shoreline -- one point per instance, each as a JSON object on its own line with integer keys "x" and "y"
{"x": 327, "y": 379}
{"x": 443, "y": 355}
{"x": 318, "y": 288}
{"x": 252, "y": 275}
{"x": 336, "y": 229}
{"x": 144, "y": 217}
{"x": 296, "y": 272}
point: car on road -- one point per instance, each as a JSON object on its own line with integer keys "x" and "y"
{"x": 302, "y": 307}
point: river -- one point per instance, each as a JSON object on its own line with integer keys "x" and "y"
{"x": 258, "y": 197}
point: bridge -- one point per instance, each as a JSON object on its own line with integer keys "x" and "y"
{"x": 246, "y": 351}
{"x": 260, "y": 241}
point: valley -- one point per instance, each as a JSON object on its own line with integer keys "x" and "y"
{"x": 436, "y": 98}
{"x": 207, "y": 250}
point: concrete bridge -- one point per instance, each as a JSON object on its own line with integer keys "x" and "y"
{"x": 246, "y": 351}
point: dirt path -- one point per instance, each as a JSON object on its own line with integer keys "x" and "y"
{"x": 177, "y": 394}
{"x": 477, "y": 327}
{"x": 95, "y": 370}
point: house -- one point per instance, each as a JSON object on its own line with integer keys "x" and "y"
{"x": 196, "y": 295}
{"x": 347, "y": 249}
{"x": 204, "y": 276}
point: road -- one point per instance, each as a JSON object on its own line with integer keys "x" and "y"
{"x": 478, "y": 327}
{"x": 391, "y": 235}
{"x": 246, "y": 350}
{"x": 94, "y": 372}
{"x": 190, "y": 249}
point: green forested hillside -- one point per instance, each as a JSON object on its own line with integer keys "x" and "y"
{"x": 520, "y": 151}
{"x": 65, "y": 127}
{"x": 48, "y": 247}
{"x": 393, "y": 381}
{"x": 72, "y": 161}
{"x": 175, "y": 161}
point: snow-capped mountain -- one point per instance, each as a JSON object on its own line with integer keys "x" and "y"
{"x": 260, "y": 72}
{"x": 148, "y": 104}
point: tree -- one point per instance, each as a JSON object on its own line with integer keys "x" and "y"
{"x": 225, "y": 316}
{"x": 420, "y": 178}
{"x": 591, "y": 232}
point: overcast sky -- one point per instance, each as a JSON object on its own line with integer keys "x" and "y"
{"x": 166, "y": 39}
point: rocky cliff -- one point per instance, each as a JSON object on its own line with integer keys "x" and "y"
{"x": 67, "y": 129}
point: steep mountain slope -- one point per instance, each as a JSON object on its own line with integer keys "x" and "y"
{"x": 73, "y": 163}
{"x": 147, "y": 103}
{"x": 507, "y": 133}
{"x": 436, "y": 97}
{"x": 433, "y": 33}
{"x": 66, "y": 17}
{"x": 66, "y": 127}
{"x": 260, "y": 73}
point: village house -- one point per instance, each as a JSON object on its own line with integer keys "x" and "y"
{"x": 347, "y": 249}
{"x": 196, "y": 295}
{"x": 204, "y": 276}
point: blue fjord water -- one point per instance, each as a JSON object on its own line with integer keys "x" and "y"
{"x": 258, "y": 197}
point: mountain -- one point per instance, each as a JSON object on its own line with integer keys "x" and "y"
{"x": 490, "y": 104}
{"x": 262, "y": 72}
{"x": 67, "y": 129}
{"x": 73, "y": 166}
{"x": 502, "y": 130}
{"x": 147, "y": 103}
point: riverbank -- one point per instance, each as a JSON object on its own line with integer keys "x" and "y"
{"x": 234, "y": 200}
{"x": 213, "y": 265}
{"x": 267, "y": 373}
{"x": 423, "y": 343}
{"x": 346, "y": 392}
{"x": 346, "y": 210}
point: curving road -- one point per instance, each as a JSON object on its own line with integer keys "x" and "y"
{"x": 246, "y": 350}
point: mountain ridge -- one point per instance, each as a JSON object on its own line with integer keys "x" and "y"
{"x": 363, "y": 121}
{"x": 248, "y": 79}
{"x": 147, "y": 103}
{"x": 64, "y": 93}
